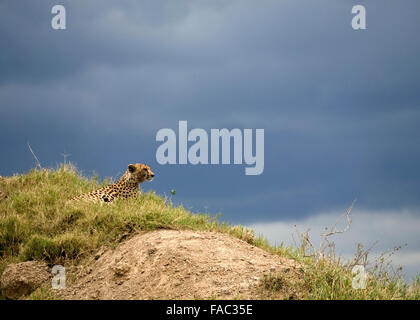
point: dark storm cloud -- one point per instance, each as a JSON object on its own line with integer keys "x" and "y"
{"x": 340, "y": 108}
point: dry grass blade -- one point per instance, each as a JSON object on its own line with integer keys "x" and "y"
{"x": 38, "y": 164}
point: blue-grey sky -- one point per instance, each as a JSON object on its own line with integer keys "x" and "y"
{"x": 340, "y": 108}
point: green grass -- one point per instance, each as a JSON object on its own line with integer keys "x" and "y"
{"x": 35, "y": 224}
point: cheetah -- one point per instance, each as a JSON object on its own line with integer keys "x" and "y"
{"x": 127, "y": 186}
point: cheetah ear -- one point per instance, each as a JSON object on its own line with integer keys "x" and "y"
{"x": 131, "y": 167}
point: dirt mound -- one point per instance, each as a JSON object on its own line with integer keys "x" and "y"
{"x": 20, "y": 279}
{"x": 169, "y": 264}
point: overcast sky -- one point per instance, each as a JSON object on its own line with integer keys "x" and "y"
{"x": 340, "y": 108}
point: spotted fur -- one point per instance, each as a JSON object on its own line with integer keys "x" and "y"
{"x": 126, "y": 187}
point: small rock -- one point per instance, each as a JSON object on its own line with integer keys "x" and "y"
{"x": 120, "y": 269}
{"x": 97, "y": 256}
{"x": 151, "y": 251}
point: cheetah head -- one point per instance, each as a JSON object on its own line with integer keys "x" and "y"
{"x": 139, "y": 173}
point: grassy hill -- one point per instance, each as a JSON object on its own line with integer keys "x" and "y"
{"x": 35, "y": 224}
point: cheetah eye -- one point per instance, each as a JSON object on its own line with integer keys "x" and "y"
{"x": 145, "y": 169}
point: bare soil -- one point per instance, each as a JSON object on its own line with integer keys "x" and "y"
{"x": 172, "y": 264}
{"x": 22, "y": 278}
